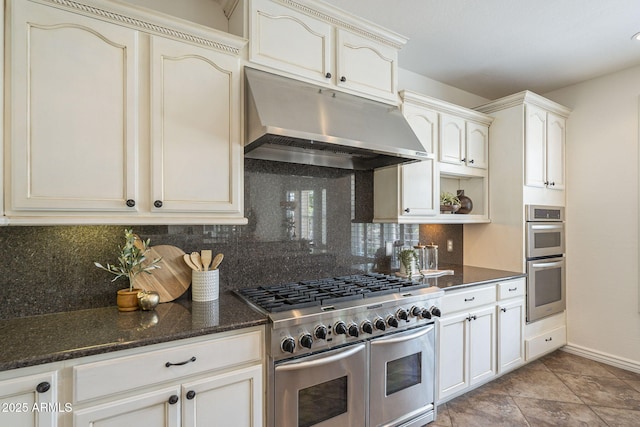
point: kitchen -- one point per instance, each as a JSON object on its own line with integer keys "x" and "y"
{"x": 77, "y": 285}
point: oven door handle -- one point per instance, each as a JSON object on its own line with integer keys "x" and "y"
{"x": 321, "y": 361}
{"x": 546, "y": 226}
{"x": 547, "y": 264}
{"x": 404, "y": 338}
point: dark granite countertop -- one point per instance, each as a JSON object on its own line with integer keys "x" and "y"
{"x": 36, "y": 340}
{"x": 466, "y": 276}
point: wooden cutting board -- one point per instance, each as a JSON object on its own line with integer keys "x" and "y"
{"x": 172, "y": 279}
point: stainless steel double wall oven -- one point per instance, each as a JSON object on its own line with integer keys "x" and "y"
{"x": 350, "y": 351}
{"x": 546, "y": 266}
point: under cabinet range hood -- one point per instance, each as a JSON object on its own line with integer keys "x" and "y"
{"x": 291, "y": 121}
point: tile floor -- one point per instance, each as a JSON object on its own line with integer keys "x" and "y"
{"x": 560, "y": 389}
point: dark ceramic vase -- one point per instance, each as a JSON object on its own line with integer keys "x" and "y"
{"x": 466, "y": 205}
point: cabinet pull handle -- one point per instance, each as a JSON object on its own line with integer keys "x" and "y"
{"x": 504, "y": 310}
{"x": 173, "y": 399}
{"x": 471, "y": 161}
{"x": 157, "y": 203}
{"x": 328, "y": 75}
{"x": 546, "y": 183}
{"x": 43, "y": 387}
{"x": 548, "y": 339}
{"x": 513, "y": 289}
{"x": 343, "y": 79}
{"x": 463, "y": 160}
{"x": 407, "y": 210}
{"x": 552, "y": 183}
{"x": 470, "y": 318}
{"x": 191, "y": 394}
{"x": 131, "y": 203}
{"x": 169, "y": 364}
{"x": 469, "y": 299}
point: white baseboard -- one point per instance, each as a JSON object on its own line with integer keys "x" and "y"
{"x": 605, "y": 358}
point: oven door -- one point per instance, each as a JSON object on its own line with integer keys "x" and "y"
{"x": 545, "y": 287}
{"x": 545, "y": 239}
{"x": 402, "y": 385}
{"x": 323, "y": 390}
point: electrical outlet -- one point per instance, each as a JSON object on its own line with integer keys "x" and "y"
{"x": 449, "y": 245}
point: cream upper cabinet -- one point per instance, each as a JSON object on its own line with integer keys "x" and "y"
{"x": 73, "y": 136}
{"x": 544, "y": 148}
{"x": 477, "y": 153}
{"x": 555, "y": 151}
{"x": 315, "y": 41}
{"x": 424, "y": 123}
{"x": 113, "y": 124}
{"x": 195, "y": 150}
{"x": 453, "y": 147}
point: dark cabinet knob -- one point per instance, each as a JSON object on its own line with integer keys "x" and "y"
{"x": 463, "y": 160}
{"x": 343, "y": 79}
{"x": 552, "y": 183}
{"x": 328, "y": 75}
{"x": 173, "y": 400}
{"x": 131, "y": 203}
{"x": 504, "y": 310}
{"x": 157, "y": 203}
{"x": 407, "y": 210}
{"x": 546, "y": 183}
{"x": 471, "y": 161}
{"x": 191, "y": 394}
{"x": 43, "y": 387}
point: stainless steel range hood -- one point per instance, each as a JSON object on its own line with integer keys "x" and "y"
{"x": 296, "y": 122}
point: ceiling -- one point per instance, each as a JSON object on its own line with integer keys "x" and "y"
{"x": 494, "y": 48}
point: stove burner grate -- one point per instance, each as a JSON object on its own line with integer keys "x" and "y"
{"x": 327, "y": 291}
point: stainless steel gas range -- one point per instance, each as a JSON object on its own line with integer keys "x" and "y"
{"x": 350, "y": 351}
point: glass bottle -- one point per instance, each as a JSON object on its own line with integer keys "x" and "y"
{"x": 432, "y": 256}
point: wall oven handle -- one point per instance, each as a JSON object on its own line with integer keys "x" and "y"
{"x": 321, "y": 361}
{"x": 404, "y": 338}
{"x": 546, "y": 226}
{"x": 547, "y": 264}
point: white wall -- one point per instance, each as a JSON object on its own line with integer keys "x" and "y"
{"x": 420, "y": 84}
{"x": 203, "y": 12}
{"x": 602, "y": 215}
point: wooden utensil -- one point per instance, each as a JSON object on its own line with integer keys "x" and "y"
{"x": 195, "y": 258}
{"x": 172, "y": 279}
{"x": 205, "y": 257}
{"x": 187, "y": 260}
{"x": 216, "y": 261}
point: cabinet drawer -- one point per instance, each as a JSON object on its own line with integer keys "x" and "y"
{"x": 511, "y": 289}
{"x": 464, "y": 300}
{"x": 93, "y": 380}
{"x": 545, "y": 343}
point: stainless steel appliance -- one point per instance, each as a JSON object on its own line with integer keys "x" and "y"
{"x": 350, "y": 351}
{"x": 546, "y": 267}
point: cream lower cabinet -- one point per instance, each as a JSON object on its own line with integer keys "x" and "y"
{"x": 511, "y": 321}
{"x": 209, "y": 382}
{"x": 30, "y": 401}
{"x": 117, "y": 124}
{"x": 467, "y": 341}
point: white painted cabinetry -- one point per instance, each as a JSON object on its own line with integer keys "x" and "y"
{"x": 30, "y": 400}
{"x": 544, "y": 149}
{"x": 467, "y": 340}
{"x": 317, "y": 42}
{"x": 113, "y": 123}
{"x": 511, "y": 320}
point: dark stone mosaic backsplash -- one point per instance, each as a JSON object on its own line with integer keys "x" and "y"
{"x": 304, "y": 223}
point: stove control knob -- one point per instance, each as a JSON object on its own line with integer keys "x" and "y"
{"x": 320, "y": 332}
{"x": 425, "y": 314}
{"x": 353, "y": 330}
{"x": 379, "y": 324}
{"x": 340, "y": 328}
{"x": 367, "y": 327}
{"x": 392, "y": 321}
{"x": 402, "y": 314}
{"x": 415, "y": 311}
{"x": 288, "y": 345}
{"x": 435, "y": 311}
{"x": 306, "y": 340}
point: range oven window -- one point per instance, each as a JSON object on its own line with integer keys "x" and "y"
{"x": 548, "y": 286}
{"x": 404, "y": 373}
{"x": 322, "y": 401}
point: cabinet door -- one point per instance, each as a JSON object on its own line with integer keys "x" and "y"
{"x": 510, "y": 335}
{"x": 290, "y": 41}
{"x": 453, "y": 348}
{"x": 555, "y": 156}
{"x": 535, "y": 146}
{"x": 366, "y": 66}
{"x": 216, "y": 401}
{"x": 195, "y": 141}
{"x": 477, "y": 145}
{"x": 424, "y": 124}
{"x": 419, "y": 189}
{"x": 482, "y": 345}
{"x": 73, "y": 139}
{"x": 154, "y": 409}
{"x": 452, "y": 139}
{"x": 21, "y": 398}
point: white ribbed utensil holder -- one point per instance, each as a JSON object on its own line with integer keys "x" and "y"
{"x": 204, "y": 285}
